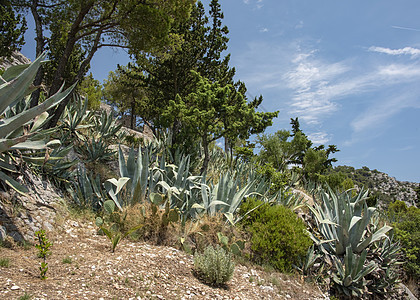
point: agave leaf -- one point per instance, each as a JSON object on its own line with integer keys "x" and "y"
{"x": 39, "y": 121}
{"x": 229, "y": 217}
{"x": 18, "y": 120}
{"x": 54, "y": 143}
{"x": 354, "y": 220}
{"x": 6, "y": 144}
{"x": 30, "y": 145}
{"x": 13, "y": 184}
{"x": 120, "y": 183}
{"x": 13, "y": 71}
{"x": 122, "y": 165}
{"x": 378, "y": 235}
{"x": 137, "y": 194}
{"x": 110, "y": 190}
{"x": 16, "y": 88}
{"x": 6, "y": 166}
{"x": 197, "y": 206}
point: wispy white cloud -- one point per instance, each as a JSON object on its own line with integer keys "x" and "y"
{"x": 264, "y": 29}
{"x": 299, "y": 25}
{"x": 399, "y": 72}
{"x": 318, "y": 85}
{"x": 312, "y": 81}
{"x": 402, "y": 51}
{"x": 380, "y": 112}
{"x": 319, "y": 137}
{"x": 406, "y": 148}
{"x": 405, "y": 28}
{"x": 258, "y": 3}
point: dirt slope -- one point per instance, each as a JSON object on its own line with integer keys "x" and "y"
{"x": 134, "y": 271}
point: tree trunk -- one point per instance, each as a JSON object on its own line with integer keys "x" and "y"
{"x": 40, "y": 43}
{"x": 80, "y": 74}
{"x": 206, "y": 155}
{"x": 133, "y": 107}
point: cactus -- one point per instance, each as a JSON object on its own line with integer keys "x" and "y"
{"x": 162, "y": 217}
{"x": 234, "y": 247}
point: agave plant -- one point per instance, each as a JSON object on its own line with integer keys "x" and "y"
{"x": 87, "y": 191}
{"x": 307, "y": 263}
{"x": 350, "y": 234}
{"x": 387, "y": 256}
{"x": 20, "y": 127}
{"x": 105, "y": 126}
{"x": 75, "y": 118}
{"x": 182, "y": 188}
{"x": 345, "y": 220}
{"x": 225, "y": 196}
{"x": 134, "y": 180}
{"x": 53, "y": 163}
{"x": 96, "y": 150}
{"x": 350, "y": 276}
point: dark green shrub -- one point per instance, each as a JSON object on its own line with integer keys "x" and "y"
{"x": 279, "y": 237}
{"x": 214, "y": 266}
{"x": 406, "y": 222}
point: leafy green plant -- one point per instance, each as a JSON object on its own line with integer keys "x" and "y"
{"x": 67, "y": 260}
{"x": 20, "y": 126}
{"x": 4, "y": 262}
{"x": 25, "y": 296}
{"x": 113, "y": 231}
{"x": 279, "y": 237}
{"x": 43, "y": 247}
{"x": 406, "y": 222}
{"x": 214, "y": 266}
{"x": 133, "y": 141}
{"x": 162, "y": 215}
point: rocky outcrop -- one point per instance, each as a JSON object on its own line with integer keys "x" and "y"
{"x": 398, "y": 190}
{"x": 17, "y": 58}
{"x": 22, "y": 215}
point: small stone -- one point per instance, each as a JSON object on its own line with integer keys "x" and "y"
{"x": 15, "y": 287}
{"x": 288, "y": 296}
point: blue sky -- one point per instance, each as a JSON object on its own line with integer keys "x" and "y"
{"x": 350, "y": 70}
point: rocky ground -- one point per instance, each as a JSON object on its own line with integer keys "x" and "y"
{"x": 81, "y": 266}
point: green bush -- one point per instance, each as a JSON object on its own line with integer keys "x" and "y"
{"x": 406, "y": 222}
{"x": 279, "y": 237}
{"x": 214, "y": 266}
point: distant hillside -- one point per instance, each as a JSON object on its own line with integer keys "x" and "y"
{"x": 384, "y": 188}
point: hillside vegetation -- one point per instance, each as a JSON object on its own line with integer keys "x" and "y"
{"x": 222, "y": 212}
